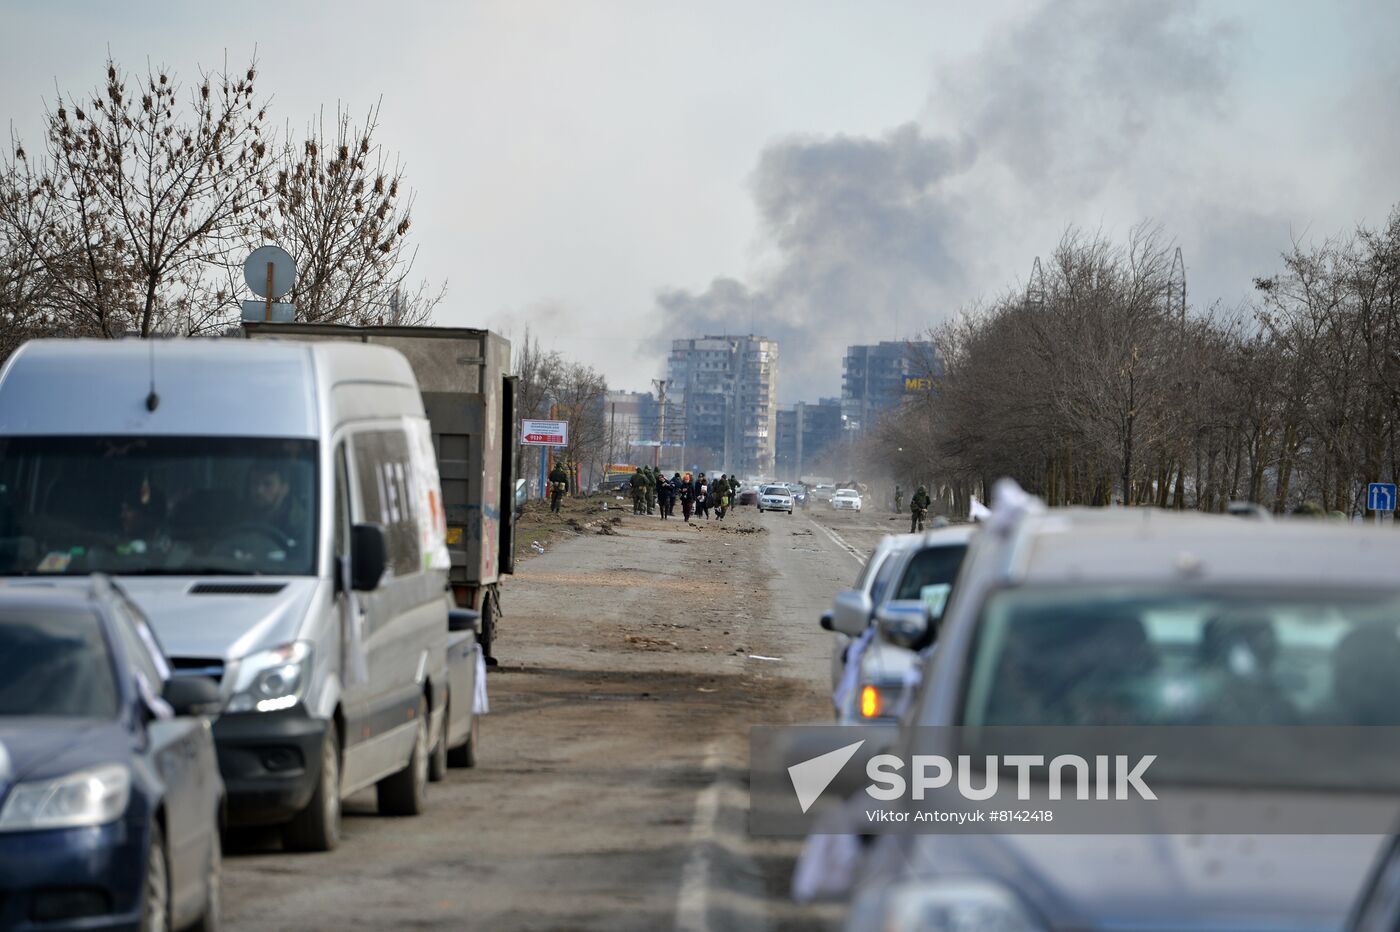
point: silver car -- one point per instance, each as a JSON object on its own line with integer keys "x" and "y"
{"x": 1080, "y": 618}
{"x": 775, "y": 498}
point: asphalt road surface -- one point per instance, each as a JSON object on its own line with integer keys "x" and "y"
{"x": 611, "y": 791}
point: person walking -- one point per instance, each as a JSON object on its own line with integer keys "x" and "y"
{"x": 898, "y": 499}
{"x": 918, "y": 509}
{"x": 702, "y": 497}
{"x": 558, "y": 485}
{"x": 675, "y": 485}
{"x": 638, "y": 493}
{"x": 652, "y": 476}
{"x": 687, "y": 497}
{"x": 663, "y": 495}
{"x": 722, "y": 496}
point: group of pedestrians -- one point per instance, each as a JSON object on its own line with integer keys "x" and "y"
{"x": 698, "y": 496}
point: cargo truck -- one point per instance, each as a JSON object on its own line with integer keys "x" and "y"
{"x": 470, "y": 399}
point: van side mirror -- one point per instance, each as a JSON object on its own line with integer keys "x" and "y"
{"x": 850, "y": 612}
{"x": 191, "y": 695}
{"x": 906, "y": 623}
{"x": 368, "y": 558}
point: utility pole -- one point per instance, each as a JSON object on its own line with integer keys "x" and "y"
{"x": 661, "y": 429}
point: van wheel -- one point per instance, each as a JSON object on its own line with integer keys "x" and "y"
{"x": 406, "y": 793}
{"x": 437, "y": 761}
{"x": 317, "y": 827}
{"x": 464, "y": 755}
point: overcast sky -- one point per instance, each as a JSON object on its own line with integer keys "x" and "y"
{"x": 617, "y": 174}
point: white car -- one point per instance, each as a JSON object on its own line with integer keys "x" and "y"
{"x": 846, "y": 500}
{"x": 775, "y": 498}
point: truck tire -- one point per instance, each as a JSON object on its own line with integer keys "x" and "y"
{"x": 317, "y": 827}
{"x": 406, "y": 793}
{"x": 488, "y": 628}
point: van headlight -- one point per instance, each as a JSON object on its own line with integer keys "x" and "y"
{"x": 88, "y": 797}
{"x": 271, "y": 680}
{"x": 943, "y": 906}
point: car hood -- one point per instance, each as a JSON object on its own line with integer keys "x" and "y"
{"x": 1160, "y": 882}
{"x": 39, "y": 747}
{"x": 228, "y": 626}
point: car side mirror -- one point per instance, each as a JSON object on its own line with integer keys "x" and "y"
{"x": 850, "y": 612}
{"x": 826, "y": 622}
{"x": 906, "y": 623}
{"x": 368, "y": 558}
{"x": 463, "y": 619}
{"x": 192, "y": 695}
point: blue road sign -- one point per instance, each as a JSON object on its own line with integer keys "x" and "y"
{"x": 1380, "y": 496}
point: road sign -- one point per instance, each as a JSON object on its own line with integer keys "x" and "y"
{"x": 1380, "y": 496}
{"x": 270, "y": 272}
{"x": 544, "y": 433}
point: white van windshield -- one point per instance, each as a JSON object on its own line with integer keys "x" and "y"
{"x": 157, "y": 506}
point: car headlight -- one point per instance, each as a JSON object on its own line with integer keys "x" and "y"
{"x": 943, "y": 906}
{"x": 271, "y": 680}
{"x": 85, "y": 798}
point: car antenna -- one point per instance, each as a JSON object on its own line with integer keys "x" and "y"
{"x": 152, "y": 400}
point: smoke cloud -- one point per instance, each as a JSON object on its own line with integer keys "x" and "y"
{"x": 873, "y": 238}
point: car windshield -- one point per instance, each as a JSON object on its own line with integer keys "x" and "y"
{"x": 55, "y": 663}
{"x": 1130, "y": 657}
{"x": 157, "y": 505}
{"x": 776, "y": 490}
{"x": 847, "y": 493}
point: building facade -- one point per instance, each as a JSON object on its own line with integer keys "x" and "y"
{"x": 875, "y": 378}
{"x": 805, "y": 433}
{"x": 723, "y": 397}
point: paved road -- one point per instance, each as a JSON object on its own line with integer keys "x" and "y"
{"x": 611, "y": 792}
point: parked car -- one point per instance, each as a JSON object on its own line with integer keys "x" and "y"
{"x": 822, "y": 492}
{"x": 894, "y": 622}
{"x": 846, "y": 500}
{"x": 274, "y": 508}
{"x": 466, "y": 676}
{"x": 865, "y": 584}
{"x": 1082, "y": 618}
{"x": 799, "y": 493}
{"x": 775, "y": 498}
{"x": 110, "y": 797}
{"x": 748, "y": 496}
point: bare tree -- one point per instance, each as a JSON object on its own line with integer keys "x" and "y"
{"x": 138, "y": 197}
{"x": 344, "y": 211}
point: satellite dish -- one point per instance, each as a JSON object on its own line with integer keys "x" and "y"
{"x": 270, "y": 264}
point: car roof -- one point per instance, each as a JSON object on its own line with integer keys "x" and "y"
{"x": 1148, "y": 545}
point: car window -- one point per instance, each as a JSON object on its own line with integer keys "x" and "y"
{"x": 883, "y": 579}
{"x": 1132, "y": 657}
{"x": 930, "y": 567}
{"x": 55, "y": 663}
{"x": 384, "y": 478}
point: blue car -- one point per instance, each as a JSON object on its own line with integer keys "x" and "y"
{"x": 110, "y": 796}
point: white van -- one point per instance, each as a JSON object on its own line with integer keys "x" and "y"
{"x": 275, "y": 510}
